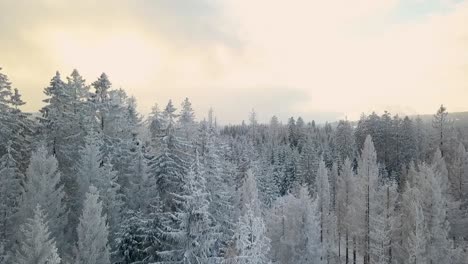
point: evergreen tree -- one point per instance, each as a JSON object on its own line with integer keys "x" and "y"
{"x": 16, "y": 129}
{"x": 344, "y": 140}
{"x": 187, "y": 121}
{"x": 198, "y": 237}
{"x": 36, "y": 246}
{"x": 101, "y": 100}
{"x": 43, "y": 187}
{"x": 441, "y": 124}
{"x": 343, "y": 205}
{"x": 251, "y": 242}
{"x": 368, "y": 172}
{"x": 170, "y": 166}
{"x": 131, "y": 239}
{"x": 92, "y": 246}
{"x": 323, "y": 200}
{"x": 10, "y": 191}
{"x": 220, "y": 188}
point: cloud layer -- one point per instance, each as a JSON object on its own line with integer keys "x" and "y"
{"x": 312, "y": 58}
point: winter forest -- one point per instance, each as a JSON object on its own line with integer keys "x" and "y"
{"x": 89, "y": 180}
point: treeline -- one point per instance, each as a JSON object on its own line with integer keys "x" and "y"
{"x": 92, "y": 181}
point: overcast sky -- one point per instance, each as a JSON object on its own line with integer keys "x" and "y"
{"x": 315, "y": 58}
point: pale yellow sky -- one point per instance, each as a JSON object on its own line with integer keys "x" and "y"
{"x": 319, "y": 59}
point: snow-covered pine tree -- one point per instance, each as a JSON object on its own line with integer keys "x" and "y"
{"x": 323, "y": 200}
{"x": 434, "y": 203}
{"x": 311, "y": 249}
{"x": 92, "y": 246}
{"x": 170, "y": 166}
{"x": 108, "y": 188}
{"x": 441, "y": 123}
{"x": 415, "y": 227}
{"x": 248, "y": 195}
{"x": 43, "y": 187}
{"x": 220, "y": 188}
{"x": 186, "y": 122}
{"x": 252, "y": 244}
{"x": 36, "y": 246}
{"x": 131, "y": 238}
{"x": 293, "y": 227}
{"x": 199, "y": 233}
{"x": 92, "y": 169}
{"x": 136, "y": 191}
{"x": 10, "y": 191}
{"x": 368, "y": 173}
{"x": 63, "y": 122}
{"x": 16, "y": 128}
{"x": 458, "y": 175}
{"x": 308, "y": 164}
{"x": 343, "y": 205}
{"x": 418, "y": 241}
{"x": 344, "y": 140}
{"x": 101, "y": 100}
{"x": 86, "y": 169}
{"x": 267, "y": 188}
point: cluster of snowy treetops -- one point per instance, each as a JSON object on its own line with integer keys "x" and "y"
{"x": 90, "y": 181}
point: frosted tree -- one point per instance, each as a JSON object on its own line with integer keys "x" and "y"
{"x": 131, "y": 238}
{"x": 63, "y": 122}
{"x": 440, "y": 167}
{"x": 101, "y": 100}
{"x": 293, "y": 225}
{"x": 417, "y": 239}
{"x": 43, "y": 187}
{"x": 308, "y": 164}
{"x": 170, "y": 166}
{"x": 458, "y": 176}
{"x": 197, "y": 222}
{"x": 248, "y": 195}
{"x": 323, "y": 199}
{"x": 92, "y": 246}
{"x": 86, "y": 169}
{"x": 136, "y": 191}
{"x": 441, "y": 123}
{"x": 436, "y": 215}
{"x": 343, "y": 205}
{"x": 267, "y": 188}
{"x": 36, "y": 246}
{"x": 252, "y": 243}
{"x": 108, "y": 188}
{"x": 344, "y": 140}
{"x": 156, "y": 126}
{"x": 10, "y": 191}
{"x": 92, "y": 169}
{"x": 187, "y": 121}
{"x": 220, "y": 188}
{"x": 311, "y": 251}
{"x": 368, "y": 172}
{"x": 16, "y": 126}
{"x": 459, "y": 173}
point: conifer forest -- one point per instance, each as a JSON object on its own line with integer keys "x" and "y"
{"x": 90, "y": 180}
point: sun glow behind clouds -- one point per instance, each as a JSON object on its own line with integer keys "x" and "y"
{"x": 304, "y": 56}
{"x": 127, "y": 56}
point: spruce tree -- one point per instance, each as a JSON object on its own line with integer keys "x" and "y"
{"x": 43, "y": 187}
{"x": 92, "y": 246}
{"x": 36, "y": 245}
{"x": 10, "y": 191}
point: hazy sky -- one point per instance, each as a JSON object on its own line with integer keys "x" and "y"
{"x": 315, "y": 58}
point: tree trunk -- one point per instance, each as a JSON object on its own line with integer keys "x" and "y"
{"x": 354, "y": 250}
{"x": 347, "y": 248}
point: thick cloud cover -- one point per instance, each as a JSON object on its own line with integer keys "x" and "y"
{"x": 319, "y": 59}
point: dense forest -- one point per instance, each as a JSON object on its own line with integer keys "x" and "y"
{"x": 89, "y": 180}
